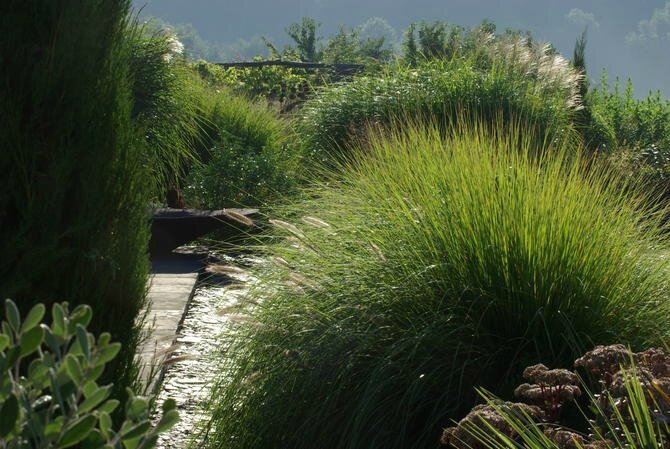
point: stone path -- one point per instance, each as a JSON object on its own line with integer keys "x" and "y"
{"x": 171, "y": 286}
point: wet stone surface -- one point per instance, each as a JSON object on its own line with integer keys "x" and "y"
{"x": 191, "y": 367}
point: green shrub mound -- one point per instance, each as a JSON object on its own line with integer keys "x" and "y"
{"x": 246, "y": 154}
{"x": 284, "y": 87}
{"x": 427, "y": 267}
{"x": 506, "y": 75}
{"x": 624, "y": 122}
{"x": 632, "y": 133}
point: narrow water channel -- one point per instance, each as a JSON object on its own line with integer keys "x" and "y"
{"x": 192, "y": 365}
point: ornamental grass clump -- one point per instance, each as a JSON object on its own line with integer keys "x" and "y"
{"x": 431, "y": 264}
{"x": 165, "y": 105}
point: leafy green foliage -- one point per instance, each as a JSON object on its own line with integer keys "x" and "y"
{"x": 625, "y": 123}
{"x": 632, "y": 134}
{"x": 246, "y": 155}
{"x": 278, "y": 85}
{"x": 430, "y": 264}
{"x": 49, "y": 391}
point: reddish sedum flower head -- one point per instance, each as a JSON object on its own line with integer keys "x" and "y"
{"x": 655, "y": 360}
{"x": 481, "y": 416}
{"x": 542, "y": 375}
{"x": 604, "y": 359}
{"x": 566, "y": 439}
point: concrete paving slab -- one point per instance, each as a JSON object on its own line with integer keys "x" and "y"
{"x": 155, "y": 316}
{"x": 164, "y": 287}
{"x": 173, "y": 277}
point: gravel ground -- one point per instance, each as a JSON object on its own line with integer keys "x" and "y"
{"x": 190, "y": 369}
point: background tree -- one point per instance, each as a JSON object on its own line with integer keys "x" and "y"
{"x": 376, "y": 27}
{"x": 432, "y": 39}
{"x": 343, "y": 48}
{"x": 375, "y": 48}
{"x": 348, "y": 46}
{"x": 305, "y": 38}
{"x": 409, "y": 45}
{"x": 579, "y": 62}
{"x": 487, "y": 26}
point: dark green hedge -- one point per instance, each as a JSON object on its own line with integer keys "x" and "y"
{"x": 73, "y": 185}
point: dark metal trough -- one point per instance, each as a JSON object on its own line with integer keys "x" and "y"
{"x": 171, "y": 228}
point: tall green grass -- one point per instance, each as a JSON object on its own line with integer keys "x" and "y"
{"x": 507, "y": 75}
{"x": 73, "y": 191}
{"x": 427, "y": 266}
{"x": 165, "y": 106}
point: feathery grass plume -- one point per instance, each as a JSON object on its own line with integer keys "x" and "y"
{"x": 378, "y": 252}
{"x": 297, "y": 279}
{"x": 315, "y": 222}
{"x": 523, "y": 254}
{"x": 223, "y": 311}
{"x": 238, "y": 217}
{"x": 224, "y": 269}
{"x": 288, "y": 227}
{"x": 237, "y": 286}
{"x": 280, "y": 261}
{"x": 550, "y": 71}
{"x": 166, "y": 352}
{"x": 178, "y": 359}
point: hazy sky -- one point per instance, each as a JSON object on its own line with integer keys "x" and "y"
{"x": 630, "y": 38}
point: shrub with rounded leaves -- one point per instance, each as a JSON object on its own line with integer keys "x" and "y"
{"x": 49, "y": 395}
